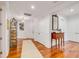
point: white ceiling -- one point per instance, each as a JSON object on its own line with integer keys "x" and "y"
{"x": 43, "y": 8}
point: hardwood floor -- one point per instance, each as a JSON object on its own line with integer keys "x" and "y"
{"x": 70, "y": 50}
{"x": 16, "y": 52}
{"x": 48, "y": 52}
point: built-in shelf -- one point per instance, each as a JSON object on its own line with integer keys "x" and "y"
{"x": 13, "y": 33}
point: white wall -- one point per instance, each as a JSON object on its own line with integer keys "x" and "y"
{"x": 0, "y": 30}
{"x": 73, "y": 28}
{"x": 0, "y": 25}
{"x": 5, "y": 33}
{"x": 36, "y": 29}
{"x": 28, "y": 28}
{"x": 42, "y": 31}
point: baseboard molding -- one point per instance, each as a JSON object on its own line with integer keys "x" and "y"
{"x": 73, "y": 41}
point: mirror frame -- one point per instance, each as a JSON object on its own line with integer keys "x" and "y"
{"x": 55, "y": 22}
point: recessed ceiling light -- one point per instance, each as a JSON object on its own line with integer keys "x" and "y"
{"x": 71, "y": 10}
{"x": 33, "y": 7}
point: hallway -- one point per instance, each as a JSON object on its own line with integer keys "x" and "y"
{"x": 39, "y": 29}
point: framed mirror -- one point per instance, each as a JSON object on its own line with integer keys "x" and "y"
{"x": 55, "y": 22}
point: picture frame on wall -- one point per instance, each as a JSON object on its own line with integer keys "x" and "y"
{"x": 21, "y": 26}
{"x": 55, "y": 22}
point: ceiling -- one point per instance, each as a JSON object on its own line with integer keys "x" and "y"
{"x": 43, "y": 8}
